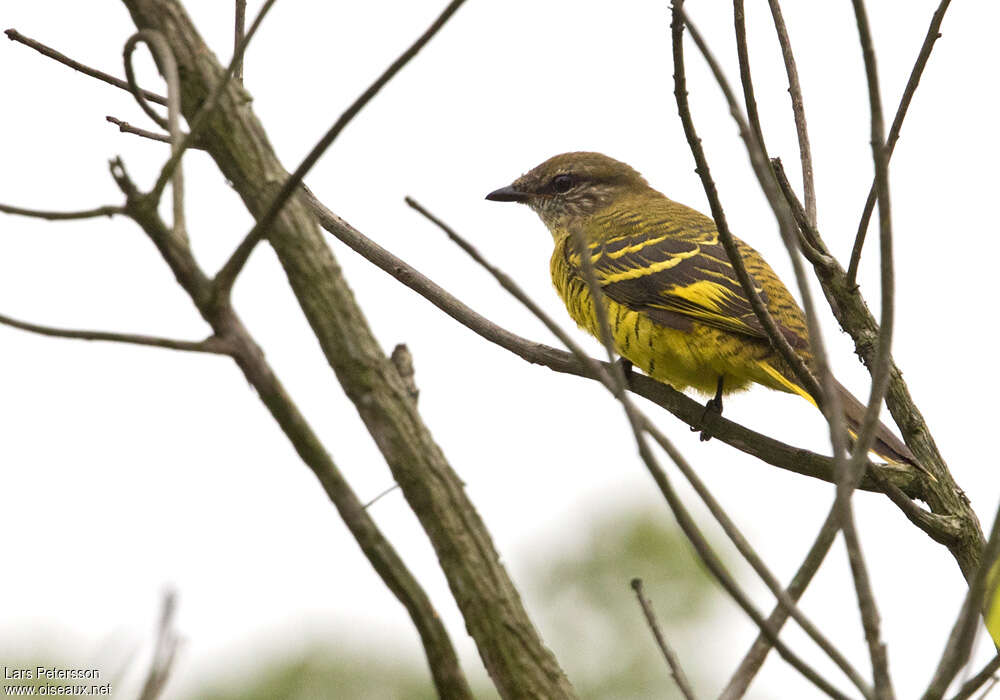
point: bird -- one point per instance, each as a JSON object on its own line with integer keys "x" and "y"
{"x": 674, "y": 304}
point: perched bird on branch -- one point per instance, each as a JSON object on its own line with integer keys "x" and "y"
{"x": 674, "y": 304}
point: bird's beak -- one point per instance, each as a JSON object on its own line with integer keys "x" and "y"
{"x": 507, "y": 194}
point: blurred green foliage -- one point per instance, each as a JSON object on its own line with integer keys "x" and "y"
{"x": 586, "y": 610}
{"x": 589, "y": 615}
{"x": 325, "y": 673}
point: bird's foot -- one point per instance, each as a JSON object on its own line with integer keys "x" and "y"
{"x": 713, "y": 408}
{"x": 626, "y": 366}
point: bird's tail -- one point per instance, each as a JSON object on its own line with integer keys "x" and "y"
{"x": 886, "y": 444}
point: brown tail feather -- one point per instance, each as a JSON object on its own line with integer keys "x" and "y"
{"x": 886, "y": 445}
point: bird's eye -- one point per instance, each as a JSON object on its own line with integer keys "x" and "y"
{"x": 562, "y": 183}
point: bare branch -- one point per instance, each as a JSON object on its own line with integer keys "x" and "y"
{"x": 14, "y": 35}
{"x": 943, "y": 529}
{"x": 933, "y": 34}
{"x": 956, "y": 652}
{"x": 168, "y": 66}
{"x": 683, "y": 684}
{"x": 989, "y": 688}
{"x": 230, "y": 270}
{"x": 127, "y": 128}
{"x": 164, "y": 652}
{"x": 754, "y": 659}
{"x": 159, "y": 55}
{"x": 240, "y": 29}
{"x": 62, "y": 215}
{"x": 798, "y": 109}
{"x": 977, "y": 681}
{"x": 213, "y": 344}
{"x": 880, "y": 368}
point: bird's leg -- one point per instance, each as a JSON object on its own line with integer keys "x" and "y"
{"x": 626, "y": 366}
{"x": 714, "y": 405}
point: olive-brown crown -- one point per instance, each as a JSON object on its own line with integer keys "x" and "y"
{"x": 572, "y": 184}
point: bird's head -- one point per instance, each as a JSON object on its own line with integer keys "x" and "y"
{"x": 571, "y": 186}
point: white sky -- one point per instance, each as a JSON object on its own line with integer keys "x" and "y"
{"x": 126, "y": 469}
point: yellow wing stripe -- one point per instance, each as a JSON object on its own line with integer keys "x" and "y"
{"x": 636, "y": 272}
{"x": 637, "y": 247}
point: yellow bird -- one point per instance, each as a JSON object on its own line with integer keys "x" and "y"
{"x": 674, "y": 304}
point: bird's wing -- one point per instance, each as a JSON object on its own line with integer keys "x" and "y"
{"x": 676, "y": 276}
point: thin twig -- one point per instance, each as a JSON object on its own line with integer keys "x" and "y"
{"x": 880, "y": 370}
{"x": 989, "y": 688}
{"x": 956, "y": 652}
{"x": 755, "y": 656}
{"x": 159, "y": 51}
{"x": 832, "y": 406}
{"x": 941, "y": 528}
{"x": 866, "y": 602}
{"x": 226, "y": 276}
{"x": 777, "y": 339}
{"x": 212, "y": 344}
{"x": 377, "y": 498}
{"x": 14, "y": 35}
{"x": 749, "y": 99}
{"x": 241, "y": 17}
{"x": 933, "y": 34}
{"x": 168, "y": 66}
{"x": 683, "y": 684}
{"x": 816, "y": 254}
{"x": 62, "y": 215}
{"x": 207, "y": 107}
{"x": 127, "y": 128}
{"x": 974, "y": 683}
{"x": 832, "y": 409}
{"x": 798, "y": 109}
{"x": 164, "y": 652}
